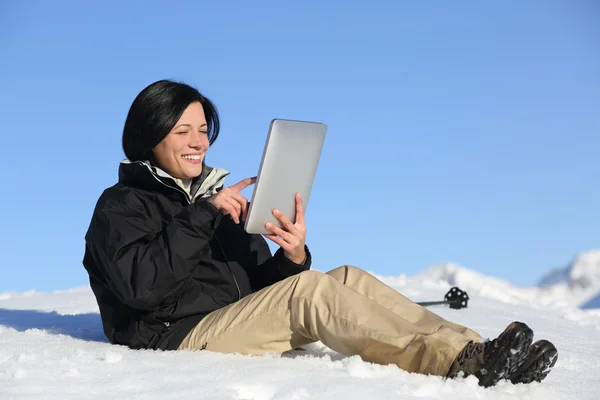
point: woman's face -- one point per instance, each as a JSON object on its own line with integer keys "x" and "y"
{"x": 182, "y": 151}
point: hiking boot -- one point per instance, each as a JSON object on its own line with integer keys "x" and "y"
{"x": 540, "y": 359}
{"x": 494, "y": 360}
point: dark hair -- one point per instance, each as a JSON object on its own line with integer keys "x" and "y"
{"x": 156, "y": 110}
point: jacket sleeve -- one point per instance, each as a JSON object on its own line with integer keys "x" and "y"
{"x": 269, "y": 268}
{"x": 143, "y": 259}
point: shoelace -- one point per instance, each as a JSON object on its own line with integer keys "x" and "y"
{"x": 475, "y": 348}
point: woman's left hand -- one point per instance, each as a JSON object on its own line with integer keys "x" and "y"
{"x": 292, "y": 237}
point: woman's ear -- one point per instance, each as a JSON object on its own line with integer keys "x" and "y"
{"x": 152, "y": 156}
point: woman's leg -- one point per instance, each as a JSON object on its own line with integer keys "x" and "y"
{"x": 371, "y": 287}
{"x": 490, "y": 361}
{"x": 313, "y": 306}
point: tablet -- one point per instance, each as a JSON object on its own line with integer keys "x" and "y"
{"x": 289, "y": 165}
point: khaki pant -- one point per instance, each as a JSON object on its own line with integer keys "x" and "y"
{"x": 347, "y": 309}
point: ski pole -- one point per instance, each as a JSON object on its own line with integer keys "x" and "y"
{"x": 455, "y": 298}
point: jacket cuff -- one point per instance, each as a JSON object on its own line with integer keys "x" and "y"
{"x": 288, "y": 267}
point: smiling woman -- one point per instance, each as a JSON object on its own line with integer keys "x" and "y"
{"x": 172, "y": 267}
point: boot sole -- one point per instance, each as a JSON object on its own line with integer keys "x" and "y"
{"x": 539, "y": 366}
{"x": 508, "y": 355}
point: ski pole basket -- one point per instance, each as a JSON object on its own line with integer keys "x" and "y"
{"x": 455, "y": 298}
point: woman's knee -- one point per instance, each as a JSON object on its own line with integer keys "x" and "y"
{"x": 311, "y": 276}
{"x": 341, "y": 273}
{"x": 311, "y": 283}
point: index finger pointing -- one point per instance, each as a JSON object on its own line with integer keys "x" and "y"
{"x": 244, "y": 183}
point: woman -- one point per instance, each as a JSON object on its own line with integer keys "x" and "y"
{"x": 172, "y": 267}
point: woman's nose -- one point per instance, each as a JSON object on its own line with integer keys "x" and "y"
{"x": 197, "y": 140}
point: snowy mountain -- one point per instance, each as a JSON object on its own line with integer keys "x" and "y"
{"x": 52, "y": 346}
{"x": 581, "y": 276}
{"x": 474, "y": 283}
{"x": 574, "y": 286}
{"x": 592, "y": 304}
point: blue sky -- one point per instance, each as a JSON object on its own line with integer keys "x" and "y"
{"x": 458, "y": 131}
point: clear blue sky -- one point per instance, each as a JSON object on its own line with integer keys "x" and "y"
{"x": 458, "y": 131}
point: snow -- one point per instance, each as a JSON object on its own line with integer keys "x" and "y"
{"x": 52, "y": 346}
{"x": 575, "y": 286}
{"x": 578, "y": 283}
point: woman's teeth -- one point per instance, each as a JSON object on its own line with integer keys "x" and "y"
{"x": 192, "y": 157}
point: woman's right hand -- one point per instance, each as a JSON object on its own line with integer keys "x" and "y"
{"x": 229, "y": 200}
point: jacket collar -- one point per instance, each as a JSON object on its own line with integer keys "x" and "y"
{"x": 146, "y": 175}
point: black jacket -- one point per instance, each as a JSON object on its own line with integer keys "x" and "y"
{"x": 158, "y": 262}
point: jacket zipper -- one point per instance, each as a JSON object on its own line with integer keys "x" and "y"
{"x": 230, "y": 270}
{"x": 174, "y": 188}
{"x": 219, "y": 243}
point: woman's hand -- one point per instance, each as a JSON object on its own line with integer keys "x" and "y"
{"x": 229, "y": 201}
{"x": 292, "y": 237}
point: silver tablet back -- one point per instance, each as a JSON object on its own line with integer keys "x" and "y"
{"x": 289, "y": 165}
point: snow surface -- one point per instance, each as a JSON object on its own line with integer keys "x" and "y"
{"x": 52, "y": 346}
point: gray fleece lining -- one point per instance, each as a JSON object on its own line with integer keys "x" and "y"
{"x": 211, "y": 179}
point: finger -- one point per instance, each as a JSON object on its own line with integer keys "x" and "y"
{"x": 244, "y": 205}
{"x": 238, "y": 209}
{"x": 242, "y": 201}
{"x": 238, "y": 200}
{"x": 299, "y": 209}
{"x": 243, "y": 184}
{"x": 286, "y": 223}
{"x": 287, "y": 236}
{"x": 227, "y": 209}
{"x": 234, "y": 209}
{"x": 276, "y": 239}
